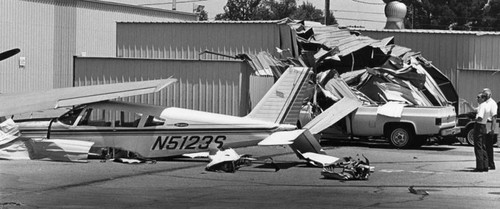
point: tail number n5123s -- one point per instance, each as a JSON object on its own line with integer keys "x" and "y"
{"x": 187, "y": 142}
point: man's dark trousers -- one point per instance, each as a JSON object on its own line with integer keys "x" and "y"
{"x": 490, "y": 140}
{"x": 480, "y": 147}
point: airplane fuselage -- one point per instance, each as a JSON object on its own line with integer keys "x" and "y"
{"x": 174, "y": 131}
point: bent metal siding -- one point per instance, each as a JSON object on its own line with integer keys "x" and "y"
{"x": 212, "y": 86}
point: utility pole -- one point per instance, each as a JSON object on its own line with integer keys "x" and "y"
{"x": 327, "y": 11}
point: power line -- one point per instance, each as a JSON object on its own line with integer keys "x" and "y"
{"x": 179, "y": 2}
{"x": 364, "y": 2}
{"x": 360, "y": 20}
{"x": 377, "y": 13}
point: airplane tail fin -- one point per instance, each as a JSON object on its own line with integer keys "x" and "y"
{"x": 282, "y": 103}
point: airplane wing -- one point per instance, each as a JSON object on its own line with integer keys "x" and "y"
{"x": 11, "y": 104}
{"x": 333, "y": 114}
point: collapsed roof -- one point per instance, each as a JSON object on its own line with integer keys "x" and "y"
{"x": 376, "y": 71}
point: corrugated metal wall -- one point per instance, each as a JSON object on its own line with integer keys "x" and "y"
{"x": 469, "y": 59}
{"x": 50, "y": 32}
{"x": 213, "y": 86}
{"x": 186, "y": 40}
{"x": 259, "y": 85}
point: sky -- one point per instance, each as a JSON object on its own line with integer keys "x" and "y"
{"x": 366, "y": 13}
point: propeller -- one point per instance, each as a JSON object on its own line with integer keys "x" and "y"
{"x": 9, "y": 53}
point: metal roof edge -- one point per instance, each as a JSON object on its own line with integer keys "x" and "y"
{"x": 477, "y": 33}
{"x": 138, "y": 7}
{"x": 206, "y": 22}
{"x": 159, "y": 59}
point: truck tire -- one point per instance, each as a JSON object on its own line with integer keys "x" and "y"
{"x": 469, "y": 135}
{"x": 401, "y": 137}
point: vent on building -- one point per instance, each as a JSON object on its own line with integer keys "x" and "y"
{"x": 395, "y": 12}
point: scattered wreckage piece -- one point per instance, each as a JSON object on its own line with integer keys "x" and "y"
{"x": 417, "y": 191}
{"x": 46, "y": 149}
{"x": 9, "y": 130}
{"x": 228, "y": 161}
{"x": 59, "y": 149}
{"x": 348, "y": 169}
{"x": 224, "y": 160}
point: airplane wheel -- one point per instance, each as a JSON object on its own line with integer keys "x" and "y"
{"x": 401, "y": 137}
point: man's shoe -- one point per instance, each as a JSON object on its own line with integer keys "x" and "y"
{"x": 491, "y": 168}
{"x": 476, "y": 170}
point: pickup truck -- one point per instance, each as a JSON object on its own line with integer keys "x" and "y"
{"x": 416, "y": 120}
{"x": 412, "y": 129}
{"x": 409, "y": 130}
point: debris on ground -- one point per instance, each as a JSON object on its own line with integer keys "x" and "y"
{"x": 417, "y": 191}
{"x": 349, "y": 169}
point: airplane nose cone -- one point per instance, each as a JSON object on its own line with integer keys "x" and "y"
{"x": 286, "y": 127}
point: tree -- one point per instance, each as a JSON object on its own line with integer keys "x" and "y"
{"x": 271, "y": 10}
{"x": 275, "y": 10}
{"x": 202, "y": 14}
{"x": 453, "y": 14}
{"x": 239, "y": 10}
{"x": 307, "y": 11}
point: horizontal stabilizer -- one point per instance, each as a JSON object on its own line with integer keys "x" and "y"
{"x": 324, "y": 160}
{"x": 333, "y": 114}
{"x": 281, "y": 138}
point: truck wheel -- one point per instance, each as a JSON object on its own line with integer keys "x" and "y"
{"x": 469, "y": 135}
{"x": 401, "y": 137}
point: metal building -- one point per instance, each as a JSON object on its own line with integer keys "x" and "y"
{"x": 220, "y": 86}
{"x": 471, "y": 59}
{"x": 188, "y": 40}
{"x": 50, "y": 32}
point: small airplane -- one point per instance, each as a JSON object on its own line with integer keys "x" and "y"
{"x": 156, "y": 132}
{"x": 12, "y": 104}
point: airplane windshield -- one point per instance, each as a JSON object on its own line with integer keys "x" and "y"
{"x": 154, "y": 121}
{"x": 70, "y": 117}
{"x": 95, "y": 117}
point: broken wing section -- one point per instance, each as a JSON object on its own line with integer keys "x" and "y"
{"x": 333, "y": 114}
{"x": 46, "y": 149}
{"x": 12, "y": 104}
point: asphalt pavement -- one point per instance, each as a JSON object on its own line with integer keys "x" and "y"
{"x": 442, "y": 171}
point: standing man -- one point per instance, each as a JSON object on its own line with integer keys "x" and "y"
{"x": 480, "y": 134}
{"x": 491, "y": 125}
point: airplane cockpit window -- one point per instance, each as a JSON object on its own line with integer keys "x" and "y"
{"x": 154, "y": 121}
{"x": 127, "y": 119}
{"x": 70, "y": 117}
{"x": 95, "y": 117}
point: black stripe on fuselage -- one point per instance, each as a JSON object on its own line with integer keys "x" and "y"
{"x": 170, "y": 130}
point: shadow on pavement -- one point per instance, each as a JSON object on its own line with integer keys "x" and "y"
{"x": 384, "y": 145}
